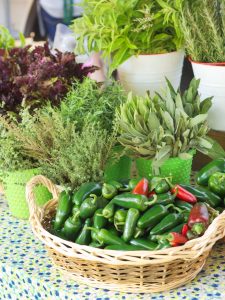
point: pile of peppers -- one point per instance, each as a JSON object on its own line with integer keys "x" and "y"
{"x": 130, "y": 215}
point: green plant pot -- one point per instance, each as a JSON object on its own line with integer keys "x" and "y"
{"x": 14, "y": 188}
{"x": 179, "y": 169}
{"x": 118, "y": 169}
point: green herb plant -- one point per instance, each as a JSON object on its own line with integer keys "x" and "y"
{"x": 126, "y": 28}
{"x": 165, "y": 126}
{"x": 12, "y": 158}
{"x": 7, "y": 41}
{"x": 203, "y": 25}
{"x": 92, "y": 102}
{"x": 71, "y": 144}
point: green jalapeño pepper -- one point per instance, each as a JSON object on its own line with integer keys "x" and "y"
{"x": 138, "y": 232}
{"x": 58, "y": 233}
{"x": 153, "y": 215}
{"x": 63, "y": 210}
{"x": 177, "y": 229}
{"x": 88, "y": 207}
{"x": 204, "y": 195}
{"x": 106, "y": 237}
{"x": 183, "y": 205}
{"x": 108, "y": 210}
{"x": 119, "y": 219}
{"x": 217, "y": 165}
{"x": 128, "y": 200}
{"x": 167, "y": 223}
{"x": 84, "y": 237}
{"x": 125, "y": 185}
{"x": 95, "y": 245}
{"x": 75, "y": 210}
{"x": 130, "y": 224}
{"x": 217, "y": 183}
{"x": 162, "y": 187}
{"x": 109, "y": 191}
{"x": 72, "y": 226}
{"x": 113, "y": 230}
{"x": 115, "y": 183}
{"x": 164, "y": 244}
{"x": 146, "y": 244}
{"x": 85, "y": 191}
{"x": 98, "y": 220}
{"x": 165, "y": 198}
{"x": 102, "y": 202}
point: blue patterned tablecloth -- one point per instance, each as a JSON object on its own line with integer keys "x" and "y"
{"x": 26, "y": 272}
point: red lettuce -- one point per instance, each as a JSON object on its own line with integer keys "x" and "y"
{"x": 32, "y": 77}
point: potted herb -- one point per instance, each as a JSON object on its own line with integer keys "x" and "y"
{"x": 204, "y": 28}
{"x": 65, "y": 154}
{"x": 73, "y": 143}
{"x": 92, "y": 102}
{"x": 142, "y": 37}
{"x": 16, "y": 170}
{"x": 163, "y": 132}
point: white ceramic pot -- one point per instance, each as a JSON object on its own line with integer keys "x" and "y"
{"x": 212, "y": 84}
{"x": 147, "y": 72}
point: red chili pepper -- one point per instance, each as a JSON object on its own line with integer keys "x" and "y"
{"x": 176, "y": 238}
{"x": 184, "y": 230}
{"x": 174, "y": 244}
{"x": 150, "y": 194}
{"x": 199, "y": 218}
{"x": 183, "y": 194}
{"x": 141, "y": 188}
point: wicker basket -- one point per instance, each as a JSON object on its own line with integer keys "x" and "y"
{"x": 136, "y": 271}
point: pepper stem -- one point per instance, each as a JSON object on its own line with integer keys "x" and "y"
{"x": 168, "y": 181}
{"x": 120, "y": 223}
{"x": 92, "y": 228}
{"x": 75, "y": 216}
{"x": 170, "y": 205}
{"x": 198, "y": 228}
{"x": 178, "y": 209}
{"x": 94, "y": 197}
{"x": 190, "y": 235}
{"x": 150, "y": 203}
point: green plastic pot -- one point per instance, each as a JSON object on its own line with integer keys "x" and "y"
{"x": 179, "y": 169}
{"x": 118, "y": 169}
{"x": 14, "y": 188}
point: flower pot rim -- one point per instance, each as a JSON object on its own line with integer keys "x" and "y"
{"x": 154, "y": 54}
{"x": 211, "y": 64}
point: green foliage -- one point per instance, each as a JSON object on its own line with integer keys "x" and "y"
{"x": 126, "y": 28}
{"x": 6, "y": 39}
{"x": 203, "y": 24}
{"x": 89, "y": 102}
{"x": 12, "y": 157}
{"x": 165, "y": 126}
{"x": 66, "y": 155}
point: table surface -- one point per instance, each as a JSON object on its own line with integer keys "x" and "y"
{"x": 26, "y": 272}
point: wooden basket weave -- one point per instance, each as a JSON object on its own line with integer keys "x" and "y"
{"x": 127, "y": 271}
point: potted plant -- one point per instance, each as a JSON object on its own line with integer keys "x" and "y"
{"x": 16, "y": 171}
{"x": 204, "y": 28}
{"x": 143, "y": 39}
{"x": 164, "y": 132}
{"x": 73, "y": 143}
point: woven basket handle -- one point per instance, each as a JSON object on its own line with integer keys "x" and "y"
{"x": 37, "y": 180}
